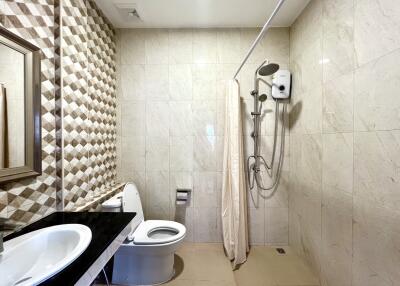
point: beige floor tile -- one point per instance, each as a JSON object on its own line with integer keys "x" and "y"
{"x": 254, "y": 272}
{"x": 202, "y": 264}
{"x": 211, "y": 264}
{"x": 214, "y": 283}
{"x": 180, "y": 283}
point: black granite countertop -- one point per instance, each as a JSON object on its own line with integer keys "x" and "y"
{"x": 105, "y": 229}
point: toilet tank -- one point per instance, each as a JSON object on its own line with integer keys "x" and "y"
{"x": 131, "y": 201}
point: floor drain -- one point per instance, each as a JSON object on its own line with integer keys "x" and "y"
{"x": 281, "y": 251}
{"x": 22, "y": 280}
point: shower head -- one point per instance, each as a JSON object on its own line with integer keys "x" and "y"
{"x": 268, "y": 69}
{"x": 263, "y": 97}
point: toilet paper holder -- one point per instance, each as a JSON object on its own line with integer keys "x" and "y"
{"x": 183, "y": 196}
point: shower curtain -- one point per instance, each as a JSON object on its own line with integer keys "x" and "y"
{"x": 234, "y": 204}
{"x": 3, "y": 127}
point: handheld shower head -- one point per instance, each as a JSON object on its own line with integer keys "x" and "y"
{"x": 263, "y": 97}
{"x": 268, "y": 69}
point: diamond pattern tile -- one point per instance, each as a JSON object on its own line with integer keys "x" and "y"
{"x": 78, "y": 105}
{"x": 34, "y": 21}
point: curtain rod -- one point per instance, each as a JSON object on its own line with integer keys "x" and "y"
{"x": 259, "y": 37}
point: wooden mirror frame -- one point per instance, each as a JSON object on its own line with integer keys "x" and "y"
{"x": 33, "y": 128}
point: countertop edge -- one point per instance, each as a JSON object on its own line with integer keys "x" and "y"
{"x": 102, "y": 260}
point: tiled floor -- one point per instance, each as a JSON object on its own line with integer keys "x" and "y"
{"x": 199, "y": 264}
{"x": 206, "y": 265}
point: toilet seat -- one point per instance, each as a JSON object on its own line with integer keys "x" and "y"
{"x": 158, "y": 232}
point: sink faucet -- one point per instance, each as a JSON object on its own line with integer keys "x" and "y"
{"x": 5, "y": 226}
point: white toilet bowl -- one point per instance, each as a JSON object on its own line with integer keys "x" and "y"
{"x": 147, "y": 256}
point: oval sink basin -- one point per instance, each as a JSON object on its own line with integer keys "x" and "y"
{"x": 36, "y": 256}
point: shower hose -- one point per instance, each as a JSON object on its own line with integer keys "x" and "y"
{"x": 254, "y": 168}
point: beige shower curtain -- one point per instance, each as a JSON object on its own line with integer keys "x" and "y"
{"x": 3, "y": 127}
{"x": 234, "y": 204}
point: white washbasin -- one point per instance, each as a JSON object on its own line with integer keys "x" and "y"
{"x": 36, "y": 256}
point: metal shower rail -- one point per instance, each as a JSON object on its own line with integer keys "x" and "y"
{"x": 260, "y": 36}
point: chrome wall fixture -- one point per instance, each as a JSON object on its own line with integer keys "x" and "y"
{"x": 280, "y": 90}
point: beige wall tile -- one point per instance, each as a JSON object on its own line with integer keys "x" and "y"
{"x": 207, "y": 225}
{"x": 337, "y": 229}
{"x": 205, "y": 193}
{"x": 376, "y": 29}
{"x": 247, "y": 37}
{"x": 180, "y": 46}
{"x": 181, "y": 153}
{"x": 228, "y": 46}
{"x": 276, "y": 46}
{"x": 157, "y": 82}
{"x": 204, "y": 151}
{"x": 157, "y": 118}
{"x": 132, "y": 46}
{"x": 338, "y": 98}
{"x": 157, "y": 46}
{"x": 205, "y": 46}
{"x": 277, "y": 226}
{"x": 337, "y": 235}
{"x": 157, "y": 195}
{"x": 376, "y": 106}
{"x": 180, "y": 82}
{"x": 181, "y": 118}
{"x": 375, "y": 225}
{"x": 256, "y": 226}
{"x": 133, "y": 118}
{"x": 157, "y": 153}
{"x": 338, "y": 39}
{"x": 337, "y": 160}
{"x": 179, "y": 76}
{"x": 204, "y": 117}
{"x": 132, "y": 82}
{"x": 135, "y": 146}
{"x": 376, "y": 161}
{"x": 204, "y": 81}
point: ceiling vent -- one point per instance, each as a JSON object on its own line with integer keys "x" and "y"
{"x": 128, "y": 10}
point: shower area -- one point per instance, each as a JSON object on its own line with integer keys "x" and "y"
{"x": 321, "y": 162}
{"x": 171, "y": 111}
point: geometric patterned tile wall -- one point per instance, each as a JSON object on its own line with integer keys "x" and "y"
{"x": 30, "y": 199}
{"x": 102, "y": 96}
{"x": 79, "y": 78}
{"x": 74, "y": 70}
{"x": 88, "y": 72}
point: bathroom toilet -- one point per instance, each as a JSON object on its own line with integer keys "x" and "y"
{"x": 147, "y": 256}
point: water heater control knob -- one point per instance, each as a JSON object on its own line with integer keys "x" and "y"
{"x": 281, "y": 87}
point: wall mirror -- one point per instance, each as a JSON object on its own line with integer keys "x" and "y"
{"x": 20, "y": 108}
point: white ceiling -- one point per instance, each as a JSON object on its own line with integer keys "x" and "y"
{"x": 199, "y": 13}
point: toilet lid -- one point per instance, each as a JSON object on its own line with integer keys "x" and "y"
{"x": 158, "y": 232}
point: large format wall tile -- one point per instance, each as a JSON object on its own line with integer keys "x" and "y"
{"x": 180, "y": 46}
{"x": 338, "y": 39}
{"x": 376, "y": 161}
{"x": 340, "y": 224}
{"x": 132, "y": 46}
{"x": 376, "y": 106}
{"x": 337, "y": 162}
{"x": 375, "y": 225}
{"x": 376, "y": 29}
{"x": 132, "y": 82}
{"x": 171, "y": 104}
{"x": 338, "y": 98}
{"x": 337, "y": 244}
